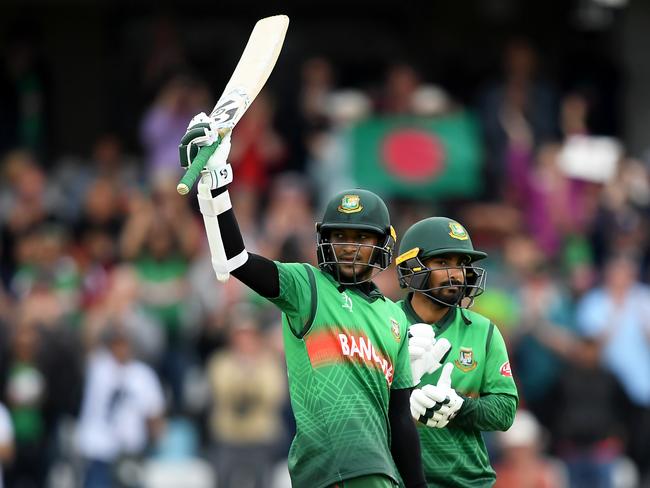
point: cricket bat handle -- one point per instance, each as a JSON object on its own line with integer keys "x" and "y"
{"x": 199, "y": 162}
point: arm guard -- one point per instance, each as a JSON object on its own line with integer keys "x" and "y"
{"x": 227, "y": 248}
{"x": 226, "y": 244}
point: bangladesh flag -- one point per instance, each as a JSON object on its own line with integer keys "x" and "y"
{"x": 419, "y": 157}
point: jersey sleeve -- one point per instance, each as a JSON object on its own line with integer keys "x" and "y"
{"x": 488, "y": 413}
{"x": 402, "y": 374}
{"x": 297, "y": 294}
{"x": 497, "y": 374}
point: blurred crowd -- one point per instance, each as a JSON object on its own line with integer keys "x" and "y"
{"x": 124, "y": 363}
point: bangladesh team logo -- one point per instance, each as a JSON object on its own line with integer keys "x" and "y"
{"x": 394, "y": 328}
{"x": 350, "y": 204}
{"x": 465, "y": 361}
{"x": 457, "y": 231}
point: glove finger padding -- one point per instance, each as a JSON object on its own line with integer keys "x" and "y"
{"x": 434, "y": 393}
{"x": 422, "y": 330}
{"x": 445, "y": 377}
{"x": 438, "y": 422}
{"x": 421, "y": 342}
{"x": 220, "y": 157}
{"x": 191, "y": 142}
{"x": 418, "y": 348}
{"x": 196, "y": 132}
{"x": 441, "y": 350}
{"x": 420, "y": 401}
{"x": 425, "y": 402}
{"x": 418, "y": 368}
{"x": 436, "y": 405}
{"x": 201, "y": 131}
{"x": 438, "y": 354}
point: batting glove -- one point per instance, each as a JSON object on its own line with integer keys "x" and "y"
{"x": 426, "y": 354}
{"x": 436, "y": 405}
{"x": 201, "y": 131}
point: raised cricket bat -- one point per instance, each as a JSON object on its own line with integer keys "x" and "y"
{"x": 250, "y": 75}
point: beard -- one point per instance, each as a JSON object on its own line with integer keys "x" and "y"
{"x": 451, "y": 296}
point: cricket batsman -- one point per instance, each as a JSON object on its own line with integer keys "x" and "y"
{"x": 474, "y": 391}
{"x": 345, "y": 344}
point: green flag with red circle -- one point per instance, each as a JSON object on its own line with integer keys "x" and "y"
{"x": 419, "y": 157}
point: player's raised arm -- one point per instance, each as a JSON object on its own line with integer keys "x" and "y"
{"x": 227, "y": 248}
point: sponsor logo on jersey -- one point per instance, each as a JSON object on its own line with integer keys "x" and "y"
{"x": 335, "y": 346}
{"x": 457, "y": 231}
{"x": 360, "y": 347}
{"x": 465, "y": 361}
{"x": 505, "y": 369}
{"x": 350, "y": 204}
{"x": 394, "y": 328}
{"x": 347, "y": 301}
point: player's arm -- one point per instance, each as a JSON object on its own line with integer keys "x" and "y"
{"x": 405, "y": 442}
{"x": 441, "y": 405}
{"x": 290, "y": 286}
{"x": 487, "y": 413}
{"x": 227, "y": 247}
{"x": 495, "y": 408}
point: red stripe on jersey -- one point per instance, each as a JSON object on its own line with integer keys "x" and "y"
{"x": 331, "y": 346}
{"x": 323, "y": 348}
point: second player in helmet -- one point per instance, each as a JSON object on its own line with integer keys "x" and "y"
{"x": 437, "y": 260}
{"x": 474, "y": 391}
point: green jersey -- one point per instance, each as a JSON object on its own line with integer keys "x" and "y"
{"x": 456, "y": 456}
{"x": 345, "y": 350}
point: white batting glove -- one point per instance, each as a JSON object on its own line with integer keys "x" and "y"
{"x": 426, "y": 354}
{"x": 436, "y": 405}
{"x": 201, "y": 131}
{"x": 208, "y": 127}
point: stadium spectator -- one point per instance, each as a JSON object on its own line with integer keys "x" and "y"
{"x": 165, "y": 121}
{"x": 122, "y": 411}
{"x": 522, "y": 463}
{"x": 6, "y": 441}
{"x": 590, "y": 410}
{"x": 248, "y": 392}
{"x": 160, "y": 237}
{"x": 25, "y": 390}
{"x": 258, "y": 150}
{"x": 25, "y": 202}
{"x": 519, "y": 111}
{"x": 616, "y": 314}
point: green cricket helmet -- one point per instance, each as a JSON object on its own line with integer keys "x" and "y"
{"x": 360, "y": 210}
{"x": 438, "y": 236}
